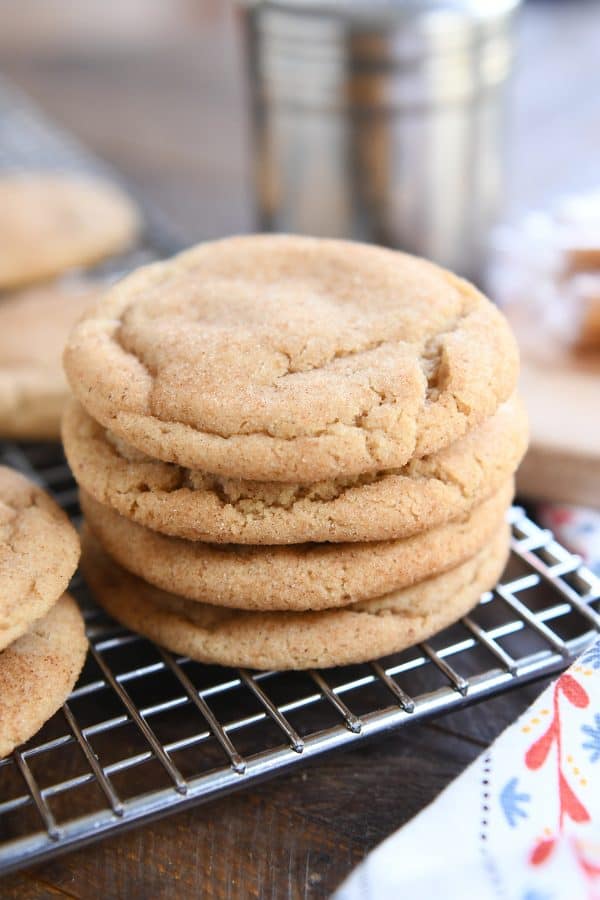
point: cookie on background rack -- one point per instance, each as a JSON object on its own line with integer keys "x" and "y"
{"x": 34, "y": 326}
{"x": 39, "y": 551}
{"x": 298, "y": 576}
{"x": 51, "y": 222}
{"x": 293, "y": 640}
{"x": 191, "y": 504}
{"x": 279, "y": 358}
{"x": 38, "y": 672}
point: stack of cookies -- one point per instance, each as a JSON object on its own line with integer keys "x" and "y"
{"x": 42, "y": 640}
{"x": 293, "y": 452}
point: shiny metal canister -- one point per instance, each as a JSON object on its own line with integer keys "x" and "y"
{"x": 381, "y": 121}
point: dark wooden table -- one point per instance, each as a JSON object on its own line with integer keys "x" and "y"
{"x": 156, "y": 88}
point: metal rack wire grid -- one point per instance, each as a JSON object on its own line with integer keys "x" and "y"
{"x": 146, "y": 732}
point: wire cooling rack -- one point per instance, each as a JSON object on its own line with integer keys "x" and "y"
{"x": 145, "y": 732}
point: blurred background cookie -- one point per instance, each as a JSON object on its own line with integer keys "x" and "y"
{"x": 51, "y": 222}
{"x": 34, "y": 325}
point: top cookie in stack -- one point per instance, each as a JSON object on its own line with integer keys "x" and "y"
{"x": 291, "y": 359}
{"x": 273, "y": 390}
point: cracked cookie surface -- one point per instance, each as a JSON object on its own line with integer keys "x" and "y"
{"x": 34, "y": 326}
{"x": 52, "y": 222}
{"x": 39, "y": 551}
{"x": 38, "y": 672}
{"x": 293, "y": 640}
{"x": 197, "y": 506}
{"x": 294, "y": 577}
{"x": 279, "y": 358}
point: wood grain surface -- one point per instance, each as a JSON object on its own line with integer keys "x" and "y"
{"x": 563, "y": 460}
{"x": 156, "y": 88}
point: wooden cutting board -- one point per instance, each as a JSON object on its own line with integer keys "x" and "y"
{"x": 562, "y": 393}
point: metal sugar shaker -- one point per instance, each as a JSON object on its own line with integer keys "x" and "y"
{"x": 381, "y": 121}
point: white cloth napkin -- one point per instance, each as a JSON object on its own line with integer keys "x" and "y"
{"x": 521, "y": 823}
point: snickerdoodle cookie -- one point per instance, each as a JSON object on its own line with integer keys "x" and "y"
{"x": 39, "y": 551}
{"x": 293, "y": 640}
{"x": 51, "y": 222}
{"x": 191, "y": 504}
{"x": 34, "y": 326}
{"x": 38, "y": 672}
{"x": 279, "y": 358}
{"x": 298, "y": 576}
